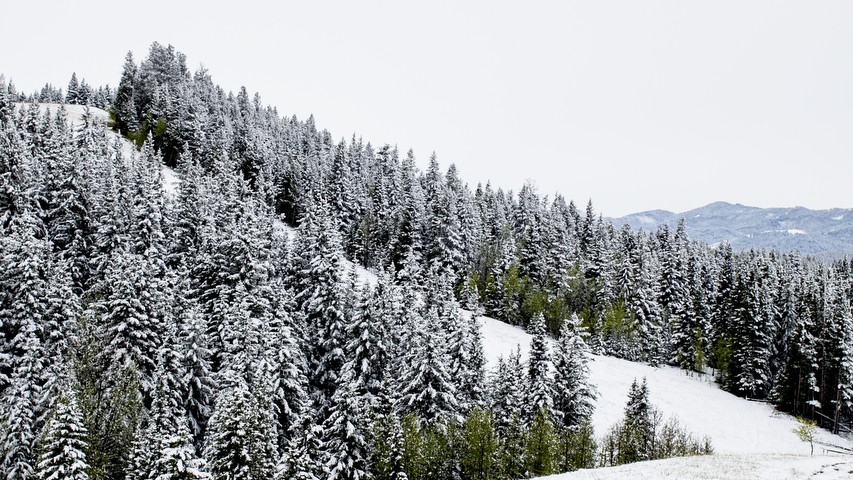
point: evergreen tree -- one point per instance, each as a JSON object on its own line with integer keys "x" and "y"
{"x": 573, "y": 396}
{"x": 63, "y": 443}
{"x": 233, "y": 447}
{"x": 367, "y": 349}
{"x": 426, "y": 387}
{"x": 386, "y": 457}
{"x": 197, "y": 378}
{"x": 479, "y": 446}
{"x": 322, "y": 298}
{"x": 512, "y": 450}
{"x": 346, "y": 441}
{"x": 125, "y": 107}
{"x": 507, "y": 395}
{"x": 540, "y": 444}
{"x": 177, "y": 459}
{"x": 304, "y": 456}
{"x": 637, "y": 439}
{"x": 540, "y": 394}
{"x": 72, "y": 95}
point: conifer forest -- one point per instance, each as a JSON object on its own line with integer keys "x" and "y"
{"x": 215, "y": 326}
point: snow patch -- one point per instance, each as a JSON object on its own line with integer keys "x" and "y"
{"x": 646, "y": 220}
{"x": 839, "y": 218}
{"x": 74, "y": 114}
{"x": 170, "y": 181}
{"x": 730, "y": 467}
{"x": 794, "y": 231}
{"x": 362, "y": 274}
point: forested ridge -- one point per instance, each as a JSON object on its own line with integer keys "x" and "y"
{"x": 150, "y": 334}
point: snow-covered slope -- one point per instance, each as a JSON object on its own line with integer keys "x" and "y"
{"x": 725, "y": 467}
{"x": 751, "y": 440}
{"x": 75, "y": 114}
{"x": 735, "y": 425}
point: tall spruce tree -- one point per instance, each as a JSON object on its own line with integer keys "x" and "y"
{"x": 63, "y": 442}
{"x": 574, "y": 397}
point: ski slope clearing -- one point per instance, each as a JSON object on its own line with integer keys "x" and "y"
{"x": 735, "y": 425}
{"x": 725, "y": 467}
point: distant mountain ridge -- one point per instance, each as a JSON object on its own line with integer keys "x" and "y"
{"x": 822, "y": 233}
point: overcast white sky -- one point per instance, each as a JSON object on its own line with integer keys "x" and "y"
{"x": 635, "y": 104}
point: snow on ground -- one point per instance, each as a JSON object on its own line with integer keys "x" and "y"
{"x": 170, "y": 181}
{"x": 75, "y": 113}
{"x": 735, "y": 425}
{"x": 363, "y": 275}
{"x": 725, "y": 467}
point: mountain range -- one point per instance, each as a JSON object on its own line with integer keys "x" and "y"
{"x": 822, "y": 233}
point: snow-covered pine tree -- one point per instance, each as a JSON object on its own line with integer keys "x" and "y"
{"x": 638, "y": 435}
{"x": 63, "y": 442}
{"x": 232, "y": 436}
{"x": 133, "y": 334}
{"x": 197, "y": 377}
{"x": 474, "y": 381}
{"x": 574, "y": 397}
{"x": 23, "y": 290}
{"x": 408, "y": 238}
{"x": 177, "y": 458}
{"x": 368, "y": 348}
{"x": 73, "y": 92}
{"x": 304, "y": 457}
{"x": 289, "y": 382}
{"x": 507, "y": 394}
{"x": 540, "y": 390}
{"x": 755, "y": 329}
{"x": 426, "y": 387}
{"x": 124, "y": 107}
{"x": 347, "y": 436}
{"x": 528, "y": 234}
{"x": 322, "y": 295}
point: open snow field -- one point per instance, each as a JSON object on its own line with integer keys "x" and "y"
{"x": 735, "y": 425}
{"x": 751, "y": 439}
{"x": 724, "y": 467}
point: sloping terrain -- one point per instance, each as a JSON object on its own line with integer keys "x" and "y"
{"x": 752, "y": 440}
{"x": 725, "y": 467}
{"x": 735, "y": 425}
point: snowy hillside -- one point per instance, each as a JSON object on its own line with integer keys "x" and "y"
{"x": 75, "y": 114}
{"x": 735, "y": 425}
